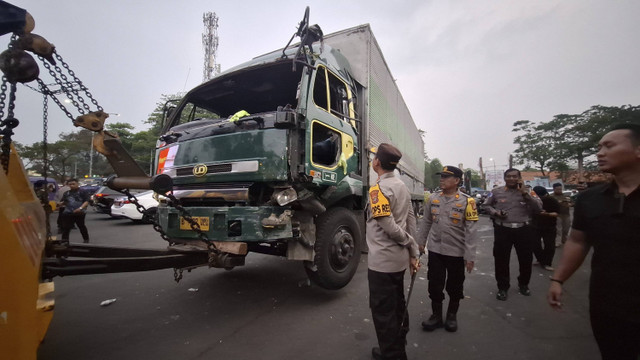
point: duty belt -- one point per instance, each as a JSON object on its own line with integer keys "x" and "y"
{"x": 512, "y": 225}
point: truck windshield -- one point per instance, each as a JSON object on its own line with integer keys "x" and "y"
{"x": 258, "y": 89}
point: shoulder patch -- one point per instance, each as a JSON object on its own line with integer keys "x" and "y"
{"x": 471, "y": 213}
{"x": 379, "y": 203}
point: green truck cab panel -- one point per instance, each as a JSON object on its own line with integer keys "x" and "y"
{"x": 257, "y": 155}
{"x": 331, "y": 140}
{"x": 241, "y": 223}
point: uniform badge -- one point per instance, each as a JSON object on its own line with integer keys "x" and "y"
{"x": 374, "y": 196}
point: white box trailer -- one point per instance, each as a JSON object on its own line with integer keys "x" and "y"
{"x": 386, "y": 117}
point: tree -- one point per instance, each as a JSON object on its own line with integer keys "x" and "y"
{"x": 575, "y": 137}
{"x": 156, "y": 117}
{"x": 534, "y": 145}
{"x": 476, "y": 179}
{"x": 431, "y": 180}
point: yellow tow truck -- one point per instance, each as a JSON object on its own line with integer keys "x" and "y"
{"x": 29, "y": 255}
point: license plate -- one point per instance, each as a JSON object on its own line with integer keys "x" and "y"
{"x": 203, "y": 221}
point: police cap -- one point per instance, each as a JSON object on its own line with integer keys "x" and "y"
{"x": 388, "y": 155}
{"x": 451, "y": 170}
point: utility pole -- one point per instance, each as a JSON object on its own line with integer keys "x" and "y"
{"x": 91, "y": 156}
{"x": 210, "y": 45}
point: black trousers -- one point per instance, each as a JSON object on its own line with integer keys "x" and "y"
{"x": 67, "y": 221}
{"x": 445, "y": 270}
{"x": 59, "y": 220}
{"x": 386, "y": 300}
{"x": 618, "y": 339}
{"x": 505, "y": 239}
{"x": 545, "y": 253}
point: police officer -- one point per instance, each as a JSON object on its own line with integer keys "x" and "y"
{"x": 392, "y": 249}
{"x": 449, "y": 231}
{"x": 511, "y": 208}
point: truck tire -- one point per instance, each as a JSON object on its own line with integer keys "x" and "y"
{"x": 337, "y": 249}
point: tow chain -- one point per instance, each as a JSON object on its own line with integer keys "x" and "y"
{"x": 44, "y": 195}
{"x": 7, "y": 125}
{"x": 63, "y": 81}
{"x": 212, "y": 250}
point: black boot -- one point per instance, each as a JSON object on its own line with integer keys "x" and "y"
{"x": 451, "y": 323}
{"x": 435, "y": 320}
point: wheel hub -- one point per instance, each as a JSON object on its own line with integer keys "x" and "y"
{"x": 342, "y": 250}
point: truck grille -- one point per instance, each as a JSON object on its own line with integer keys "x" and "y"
{"x": 211, "y": 169}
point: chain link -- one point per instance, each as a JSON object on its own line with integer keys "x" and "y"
{"x": 184, "y": 213}
{"x": 7, "y": 125}
{"x": 44, "y": 197}
{"x": 77, "y": 80}
{"x": 55, "y": 99}
{"x": 173, "y": 201}
{"x": 3, "y": 96}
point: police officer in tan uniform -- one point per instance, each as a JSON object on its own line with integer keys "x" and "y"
{"x": 391, "y": 228}
{"x": 449, "y": 231}
{"x": 511, "y": 208}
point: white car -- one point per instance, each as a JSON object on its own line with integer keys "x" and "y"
{"x": 123, "y": 208}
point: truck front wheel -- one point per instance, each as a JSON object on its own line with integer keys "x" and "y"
{"x": 337, "y": 249}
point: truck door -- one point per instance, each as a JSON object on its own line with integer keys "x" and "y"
{"x": 331, "y": 135}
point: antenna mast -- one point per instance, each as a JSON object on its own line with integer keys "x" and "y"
{"x": 210, "y": 45}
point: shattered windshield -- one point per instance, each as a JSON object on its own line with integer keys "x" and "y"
{"x": 255, "y": 90}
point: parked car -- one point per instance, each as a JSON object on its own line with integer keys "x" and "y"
{"x": 103, "y": 198}
{"x": 123, "y": 208}
{"x": 91, "y": 189}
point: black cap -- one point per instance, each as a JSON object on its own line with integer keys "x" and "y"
{"x": 388, "y": 155}
{"x": 451, "y": 170}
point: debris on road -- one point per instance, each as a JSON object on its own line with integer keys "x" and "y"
{"x": 107, "y": 302}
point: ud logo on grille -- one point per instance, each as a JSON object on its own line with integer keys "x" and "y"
{"x": 200, "y": 170}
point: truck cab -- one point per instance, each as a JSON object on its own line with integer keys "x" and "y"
{"x": 268, "y": 154}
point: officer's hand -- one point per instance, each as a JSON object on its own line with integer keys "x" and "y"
{"x": 555, "y": 295}
{"x": 421, "y": 248}
{"x": 415, "y": 265}
{"x": 469, "y": 266}
{"x": 501, "y": 214}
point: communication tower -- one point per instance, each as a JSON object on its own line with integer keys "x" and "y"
{"x": 210, "y": 45}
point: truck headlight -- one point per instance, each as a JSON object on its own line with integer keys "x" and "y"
{"x": 285, "y": 196}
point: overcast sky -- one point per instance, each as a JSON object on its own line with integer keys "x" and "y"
{"x": 467, "y": 68}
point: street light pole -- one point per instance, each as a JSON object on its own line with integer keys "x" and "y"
{"x": 91, "y": 156}
{"x": 495, "y": 173}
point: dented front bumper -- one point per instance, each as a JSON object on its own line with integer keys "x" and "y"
{"x": 239, "y": 223}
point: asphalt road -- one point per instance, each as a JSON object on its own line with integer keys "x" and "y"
{"x": 266, "y": 310}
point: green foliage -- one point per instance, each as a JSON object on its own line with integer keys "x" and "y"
{"x": 567, "y": 139}
{"x": 476, "y": 179}
{"x": 431, "y": 180}
{"x": 534, "y": 145}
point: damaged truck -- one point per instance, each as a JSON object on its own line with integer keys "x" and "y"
{"x": 272, "y": 156}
